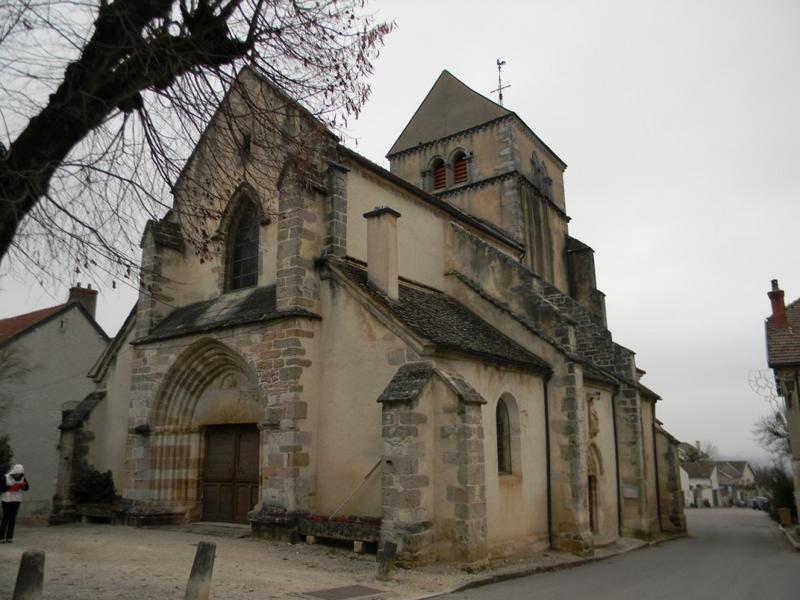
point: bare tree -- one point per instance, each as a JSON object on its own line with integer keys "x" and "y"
{"x": 102, "y": 102}
{"x": 772, "y": 429}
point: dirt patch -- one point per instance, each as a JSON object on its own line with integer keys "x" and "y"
{"x": 124, "y": 563}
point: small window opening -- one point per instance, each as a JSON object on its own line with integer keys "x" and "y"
{"x": 439, "y": 175}
{"x": 247, "y": 146}
{"x": 503, "y": 439}
{"x": 460, "y": 173}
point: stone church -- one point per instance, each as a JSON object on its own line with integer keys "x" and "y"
{"x": 417, "y": 355}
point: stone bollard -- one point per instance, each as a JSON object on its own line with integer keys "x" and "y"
{"x": 30, "y": 576}
{"x": 199, "y": 586}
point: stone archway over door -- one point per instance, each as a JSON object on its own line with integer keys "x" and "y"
{"x": 230, "y": 472}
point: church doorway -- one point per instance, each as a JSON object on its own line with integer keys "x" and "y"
{"x": 230, "y": 472}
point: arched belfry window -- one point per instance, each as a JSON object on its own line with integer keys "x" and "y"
{"x": 439, "y": 173}
{"x": 243, "y": 247}
{"x": 503, "y": 438}
{"x": 460, "y": 169}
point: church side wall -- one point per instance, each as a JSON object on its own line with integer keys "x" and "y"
{"x": 650, "y": 486}
{"x": 516, "y": 504}
{"x": 108, "y": 422}
{"x": 420, "y": 234}
{"x": 608, "y": 507}
{"x": 355, "y": 373}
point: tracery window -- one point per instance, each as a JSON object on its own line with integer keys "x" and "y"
{"x": 243, "y": 247}
{"x": 503, "y": 438}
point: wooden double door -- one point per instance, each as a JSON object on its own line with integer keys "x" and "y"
{"x": 230, "y": 472}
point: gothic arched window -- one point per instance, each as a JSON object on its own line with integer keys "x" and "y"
{"x": 503, "y": 439}
{"x": 243, "y": 247}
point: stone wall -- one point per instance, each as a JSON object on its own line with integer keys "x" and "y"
{"x": 671, "y": 517}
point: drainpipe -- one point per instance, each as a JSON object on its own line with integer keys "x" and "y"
{"x": 616, "y": 461}
{"x": 547, "y": 461}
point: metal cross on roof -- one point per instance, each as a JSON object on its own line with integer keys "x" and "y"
{"x": 500, "y": 86}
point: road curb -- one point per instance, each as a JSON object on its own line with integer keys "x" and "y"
{"x": 528, "y": 571}
{"x": 793, "y": 537}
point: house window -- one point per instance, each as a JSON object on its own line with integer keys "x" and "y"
{"x": 243, "y": 247}
{"x": 439, "y": 175}
{"x": 460, "y": 172}
{"x": 503, "y": 439}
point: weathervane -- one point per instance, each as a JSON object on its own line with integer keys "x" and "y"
{"x": 500, "y": 86}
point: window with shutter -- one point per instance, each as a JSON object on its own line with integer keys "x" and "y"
{"x": 460, "y": 174}
{"x": 439, "y": 175}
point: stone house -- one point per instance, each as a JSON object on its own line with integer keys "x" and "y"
{"x": 703, "y": 483}
{"x": 44, "y": 358}
{"x": 419, "y": 352}
{"x": 783, "y": 357}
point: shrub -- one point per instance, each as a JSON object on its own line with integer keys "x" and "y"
{"x": 780, "y": 489}
{"x": 90, "y": 486}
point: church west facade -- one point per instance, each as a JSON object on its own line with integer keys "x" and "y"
{"x": 420, "y": 353}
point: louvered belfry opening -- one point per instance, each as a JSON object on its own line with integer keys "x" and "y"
{"x": 439, "y": 175}
{"x": 460, "y": 169}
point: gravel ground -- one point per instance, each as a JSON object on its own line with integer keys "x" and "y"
{"x": 123, "y": 563}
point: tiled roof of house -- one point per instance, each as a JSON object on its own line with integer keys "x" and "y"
{"x": 229, "y": 310}
{"x": 14, "y": 326}
{"x": 699, "y": 470}
{"x": 783, "y": 344}
{"x": 448, "y": 324}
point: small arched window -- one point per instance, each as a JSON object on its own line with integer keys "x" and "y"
{"x": 243, "y": 247}
{"x": 503, "y": 439}
{"x": 439, "y": 171}
{"x": 460, "y": 171}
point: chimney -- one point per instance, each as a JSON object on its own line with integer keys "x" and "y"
{"x": 697, "y": 445}
{"x": 382, "y": 268}
{"x": 86, "y": 296}
{"x": 778, "y": 306}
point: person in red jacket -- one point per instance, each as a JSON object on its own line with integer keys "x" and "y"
{"x": 12, "y": 486}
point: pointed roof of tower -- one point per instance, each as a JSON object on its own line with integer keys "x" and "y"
{"x": 451, "y": 106}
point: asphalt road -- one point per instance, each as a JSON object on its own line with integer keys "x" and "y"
{"x": 731, "y": 554}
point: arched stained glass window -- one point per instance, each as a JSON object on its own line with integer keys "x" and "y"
{"x": 243, "y": 248}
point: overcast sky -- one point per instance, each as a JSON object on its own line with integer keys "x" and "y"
{"x": 680, "y": 123}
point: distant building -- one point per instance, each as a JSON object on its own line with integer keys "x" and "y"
{"x": 44, "y": 357}
{"x": 688, "y": 499}
{"x": 737, "y": 482}
{"x": 783, "y": 357}
{"x": 703, "y": 483}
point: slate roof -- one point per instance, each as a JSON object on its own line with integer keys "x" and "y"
{"x": 229, "y": 310}
{"x": 80, "y": 413}
{"x": 450, "y": 107}
{"x": 410, "y": 379}
{"x": 699, "y": 470}
{"x": 407, "y": 383}
{"x": 442, "y": 320}
{"x": 783, "y": 344}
